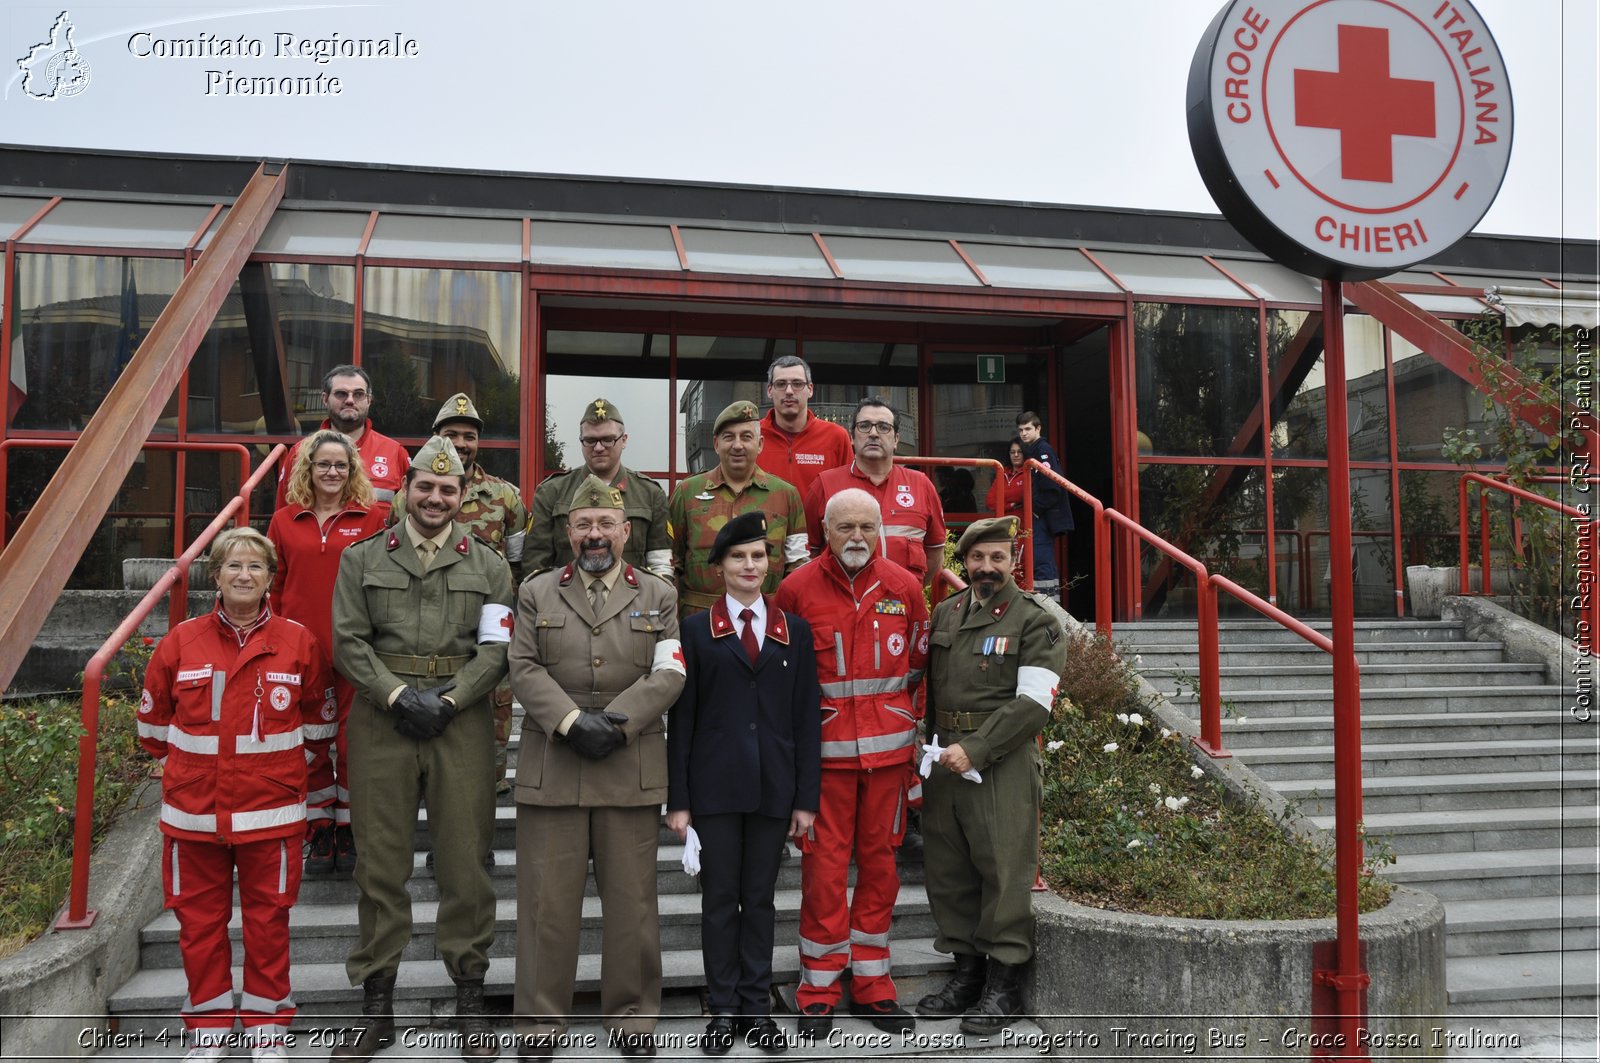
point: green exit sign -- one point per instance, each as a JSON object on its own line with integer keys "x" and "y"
{"x": 991, "y": 369}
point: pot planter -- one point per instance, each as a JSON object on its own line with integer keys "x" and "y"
{"x": 1428, "y": 586}
{"x": 1124, "y": 985}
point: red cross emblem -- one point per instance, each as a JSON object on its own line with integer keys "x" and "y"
{"x": 508, "y": 622}
{"x": 1365, "y": 104}
{"x": 677, "y": 655}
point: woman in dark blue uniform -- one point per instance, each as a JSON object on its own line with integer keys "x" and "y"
{"x": 744, "y": 768}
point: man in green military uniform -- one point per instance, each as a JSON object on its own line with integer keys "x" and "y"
{"x": 422, "y": 622}
{"x": 996, "y": 661}
{"x": 602, "y": 437}
{"x": 596, "y": 663}
{"x": 492, "y": 510}
{"x": 701, "y": 505}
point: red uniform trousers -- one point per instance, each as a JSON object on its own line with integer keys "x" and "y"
{"x": 198, "y": 880}
{"x": 327, "y": 792}
{"x": 862, "y": 809}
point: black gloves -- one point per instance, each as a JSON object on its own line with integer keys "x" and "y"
{"x": 597, "y": 735}
{"x": 423, "y": 714}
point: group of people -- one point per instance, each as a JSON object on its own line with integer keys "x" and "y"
{"x": 753, "y": 654}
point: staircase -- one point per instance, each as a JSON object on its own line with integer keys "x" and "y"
{"x": 1473, "y": 774}
{"x": 323, "y": 931}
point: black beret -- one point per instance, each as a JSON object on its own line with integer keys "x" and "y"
{"x": 745, "y": 528}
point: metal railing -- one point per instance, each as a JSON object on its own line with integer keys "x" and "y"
{"x": 175, "y": 580}
{"x": 1589, "y": 570}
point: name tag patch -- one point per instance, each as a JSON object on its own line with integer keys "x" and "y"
{"x": 194, "y": 673}
{"x": 284, "y": 677}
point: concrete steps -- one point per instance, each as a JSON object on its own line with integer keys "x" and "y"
{"x": 1473, "y": 775}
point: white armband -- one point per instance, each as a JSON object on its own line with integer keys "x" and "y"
{"x": 494, "y": 624}
{"x": 1038, "y": 684}
{"x": 514, "y": 547}
{"x": 669, "y": 657}
{"x": 796, "y": 549}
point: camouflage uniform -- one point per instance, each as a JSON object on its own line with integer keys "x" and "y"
{"x": 702, "y": 504}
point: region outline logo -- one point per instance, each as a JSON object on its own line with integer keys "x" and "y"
{"x": 54, "y": 69}
{"x": 1355, "y": 136}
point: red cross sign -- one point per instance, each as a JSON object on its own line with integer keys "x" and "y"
{"x": 1350, "y": 138}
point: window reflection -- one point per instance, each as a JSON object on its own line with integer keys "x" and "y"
{"x": 429, "y": 333}
{"x": 82, "y": 318}
{"x": 1199, "y": 388}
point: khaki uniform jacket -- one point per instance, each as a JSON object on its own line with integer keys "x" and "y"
{"x": 390, "y": 617}
{"x": 626, "y": 660}
{"x": 988, "y": 671}
{"x": 644, "y": 502}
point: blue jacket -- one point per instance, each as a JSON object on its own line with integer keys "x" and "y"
{"x": 743, "y": 738}
{"x": 1051, "y": 504}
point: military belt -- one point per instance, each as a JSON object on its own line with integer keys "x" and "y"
{"x": 405, "y": 664}
{"x": 961, "y": 721}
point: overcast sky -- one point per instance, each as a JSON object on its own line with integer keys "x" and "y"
{"x": 1061, "y": 101}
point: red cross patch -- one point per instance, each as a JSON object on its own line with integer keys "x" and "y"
{"x": 677, "y": 655}
{"x": 508, "y": 622}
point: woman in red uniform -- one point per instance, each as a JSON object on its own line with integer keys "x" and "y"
{"x": 231, "y": 702}
{"x": 1005, "y": 494}
{"x": 329, "y": 506}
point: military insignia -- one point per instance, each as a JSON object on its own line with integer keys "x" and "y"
{"x": 462, "y": 547}
{"x": 600, "y": 409}
{"x": 566, "y": 576}
{"x": 890, "y": 607}
{"x": 897, "y": 644}
{"x": 394, "y": 541}
{"x": 441, "y": 463}
{"x": 1012, "y": 530}
{"x": 146, "y": 702}
{"x": 280, "y": 698}
{"x": 616, "y": 498}
{"x": 628, "y": 575}
{"x": 461, "y": 404}
{"x": 704, "y": 496}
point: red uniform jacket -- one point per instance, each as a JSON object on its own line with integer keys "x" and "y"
{"x": 308, "y": 563}
{"x": 231, "y": 724}
{"x": 386, "y": 464}
{"x": 913, "y": 518}
{"x": 871, "y": 643}
{"x": 820, "y": 446}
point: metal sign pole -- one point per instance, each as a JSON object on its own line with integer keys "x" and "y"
{"x": 1348, "y": 977}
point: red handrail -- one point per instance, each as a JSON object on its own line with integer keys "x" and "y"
{"x": 178, "y": 606}
{"x": 1589, "y": 577}
{"x": 78, "y": 916}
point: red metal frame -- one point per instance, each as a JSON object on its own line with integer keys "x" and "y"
{"x": 78, "y": 916}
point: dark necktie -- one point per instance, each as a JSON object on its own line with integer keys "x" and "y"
{"x": 748, "y": 636}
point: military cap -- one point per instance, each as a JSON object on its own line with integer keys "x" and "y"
{"x": 438, "y": 456}
{"x": 988, "y": 530}
{"x": 458, "y": 408}
{"x": 600, "y": 410}
{"x": 736, "y": 413}
{"x": 748, "y": 527}
{"x": 595, "y": 493}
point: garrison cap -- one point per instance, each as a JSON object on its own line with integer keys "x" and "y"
{"x": 458, "y": 408}
{"x": 595, "y": 493}
{"x": 736, "y": 413}
{"x": 600, "y": 410}
{"x": 748, "y": 527}
{"x": 438, "y": 457}
{"x": 988, "y": 530}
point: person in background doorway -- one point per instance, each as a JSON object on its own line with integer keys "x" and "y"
{"x": 797, "y": 445}
{"x": 1005, "y": 494}
{"x": 347, "y": 395}
{"x": 328, "y": 506}
{"x": 743, "y": 770}
{"x": 1052, "y": 509}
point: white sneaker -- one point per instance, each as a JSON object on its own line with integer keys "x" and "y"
{"x": 273, "y": 1053}
{"x": 205, "y": 1053}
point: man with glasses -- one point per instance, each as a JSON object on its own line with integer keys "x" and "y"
{"x": 596, "y": 663}
{"x": 797, "y": 445}
{"x": 601, "y": 439}
{"x": 913, "y": 519}
{"x": 702, "y": 504}
{"x": 347, "y": 394}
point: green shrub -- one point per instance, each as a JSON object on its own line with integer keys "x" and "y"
{"x": 1129, "y": 821}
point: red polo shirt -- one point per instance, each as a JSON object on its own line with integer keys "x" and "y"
{"x": 913, "y": 519}
{"x": 800, "y": 459}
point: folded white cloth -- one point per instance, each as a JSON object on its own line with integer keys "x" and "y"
{"x": 691, "y": 853}
{"x": 931, "y": 753}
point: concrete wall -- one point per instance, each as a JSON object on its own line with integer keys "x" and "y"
{"x": 1120, "y": 985}
{"x": 53, "y": 992}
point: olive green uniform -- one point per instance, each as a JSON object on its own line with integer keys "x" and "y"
{"x": 397, "y": 624}
{"x": 644, "y": 502}
{"x": 701, "y": 505}
{"x": 625, "y": 659}
{"x": 981, "y": 840}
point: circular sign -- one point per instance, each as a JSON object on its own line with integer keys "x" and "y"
{"x": 1350, "y": 138}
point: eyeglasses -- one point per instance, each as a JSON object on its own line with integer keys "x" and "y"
{"x": 883, "y": 428}
{"x": 788, "y": 385}
{"x": 331, "y": 466}
{"x": 255, "y": 568}
{"x": 605, "y": 527}
{"x": 598, "y": 442}
{"x": 354, "y": 396}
